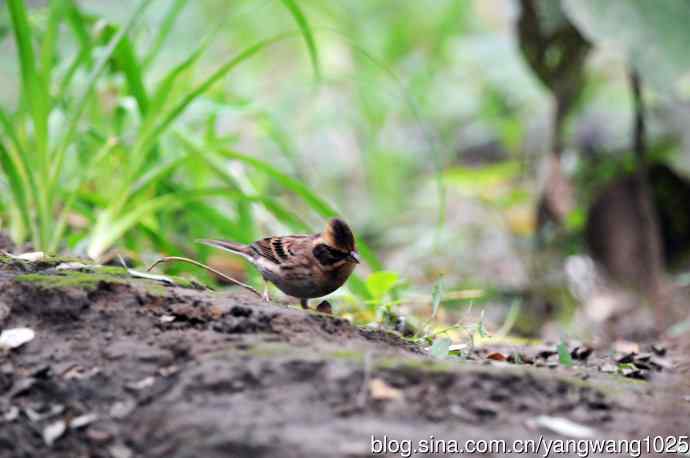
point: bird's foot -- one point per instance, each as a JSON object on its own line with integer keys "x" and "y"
{"x": 265, "y": 296}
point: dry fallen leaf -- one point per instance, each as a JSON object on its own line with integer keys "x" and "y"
{"x": 74, "y": 266}
{"x": 53, "y": 432}
{"x": 15, "y": 338}
{"x": 497, "y": 356}
{"x": 380, "y": 390}
{"x": 141, "y": 384}
{"x": 83, "y": 420}
{"x": 167, "y": 318}
{"x": 31, "y": 257}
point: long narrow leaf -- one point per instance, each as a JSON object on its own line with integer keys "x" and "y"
{"x": 127, "y": 61}
{"x": 299, "y": 188}
{"x": 21, "y": 163}
{"x": 282, "y": 214}
{"x": 307, "y": 33}
{"x": 89, "y": 87}
{"x": 32, "y": 86}
{"x": 148, "y": 138}
{"x": 71, "y": 196}
{"x": 164, "y": 31}
{"x": 17, "y": 185}
{"x": 165, "y": 86}
{"x": 296, "y": 186}
{"x": 78, "y": 24}
{"x": 111, "y": 229}
{"x": 49, "y": 43}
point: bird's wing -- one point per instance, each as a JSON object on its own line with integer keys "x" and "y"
{"x": 282, "y": 251}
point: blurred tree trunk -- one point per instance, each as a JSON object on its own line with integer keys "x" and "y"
{"x": 556, "y": 52}
{"x": 623, "y": 231}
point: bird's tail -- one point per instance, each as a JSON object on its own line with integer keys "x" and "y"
{"x": 236, "y": 248}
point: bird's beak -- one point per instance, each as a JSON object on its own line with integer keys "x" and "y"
{"x": 353, "y": 257}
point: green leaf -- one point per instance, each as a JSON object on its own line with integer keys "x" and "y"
{"x": 79, "y": 25}
{"x": 89, "y": 86}
{"x": 564, "y": 355}
{"x": 49, "y": 43}
{"x": 165, "y": 86}
{"x": 110, "y": 228}
{"x": 475, "y": 180}
{"x": 436, "y": 296}
{"x": 381, "y": 283}
{"x": 146, "y": 139}
{"x": 440, "y": 347}
{"x": 481, "y": 329}
{"x": 164, "y": 31}
{"x": 17, "y": 184}
{"x": 128, "y": 63}
{"x": 294, "y": 185}
{"x": 653, "y": 35}
{"x": 30, "y": 78}
{"x": 304, "y": 27}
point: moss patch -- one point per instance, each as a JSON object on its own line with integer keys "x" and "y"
{"x": 71, "y": 279}
{"x": 416, "y": 364}
{"x": 89, "y": 279}
{"x": 347, "y": 355}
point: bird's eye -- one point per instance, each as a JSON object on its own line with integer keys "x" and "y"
{"x": 327, "y": 255}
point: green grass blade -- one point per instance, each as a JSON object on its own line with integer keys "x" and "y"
{"x": 32, "y": 86}
{"x": 167, "y": 83}
{"x": 17, "y": 186}
{"x": 296, "y": 186}
{"x": 129, "y": 64}
{"x": 79, "y": 26}
{"x": 100, "y": 66}
{"x": 109, "y": 230}
{"x": 151, "y": 177}
{"x": 49, "y": 43}
{"x": 314, "y": 201}
{"x": 21, "y": 167}
{"x": 71, "y": 196}
{"x": 307, "y": 33}
{"x": 282, "y": 214}
{"x": 148, "y": 138}
{"x": 11, "y": 133}
{"x": 21, "y": 158}
{"x": 163, "y": 32}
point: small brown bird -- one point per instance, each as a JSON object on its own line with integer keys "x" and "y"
{"x": 302, "y": 266}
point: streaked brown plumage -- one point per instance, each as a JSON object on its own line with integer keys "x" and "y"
{"x": 302, "y": 266}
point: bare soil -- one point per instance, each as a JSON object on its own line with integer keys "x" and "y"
{"x": 134, "y": 368}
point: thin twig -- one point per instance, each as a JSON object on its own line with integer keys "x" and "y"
{"x": 204, "y": 266}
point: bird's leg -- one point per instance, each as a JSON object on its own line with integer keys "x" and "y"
{"x": 265, "y": 296}
{"x": 303, "y": 303}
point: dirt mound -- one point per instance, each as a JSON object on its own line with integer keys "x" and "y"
{"x": 126, "y": 367}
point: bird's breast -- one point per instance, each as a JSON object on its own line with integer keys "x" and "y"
{"x": 301, "y": 282}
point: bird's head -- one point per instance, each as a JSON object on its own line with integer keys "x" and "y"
{"x": 338, "y": 236}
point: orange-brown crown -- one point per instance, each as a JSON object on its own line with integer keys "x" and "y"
{"x": 338, "y": 235}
